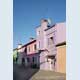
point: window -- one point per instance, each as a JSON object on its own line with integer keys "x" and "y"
{"x": 29, "y": 48}
{"x": 25, "y": 50}
{"x": 33, "y": 59}
{"x": 50, "y": 40}
{"x": 28, "y": 59}
{"x": 39, "y": 44}
{"x": 35, "y": 47}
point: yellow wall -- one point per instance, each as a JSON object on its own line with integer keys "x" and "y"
{"x": 61, "y": 59}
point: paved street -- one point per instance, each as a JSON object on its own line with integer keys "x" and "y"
{"x": 23, "y": 73}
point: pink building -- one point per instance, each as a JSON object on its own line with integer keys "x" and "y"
{"x": 28, "y": 55}
{"x": 47, "y": 39}
{"x": 21, "y": 54}
{"x": 32, "y": 54}
{"x": 48, "y": 50}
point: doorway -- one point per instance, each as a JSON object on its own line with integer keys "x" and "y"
{"x": 23, "y": 61}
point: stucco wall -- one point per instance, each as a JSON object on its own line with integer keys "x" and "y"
{"x": 41, "y": 38}
{"x": 51, "y": 33}
{"x": 60, "y": 33}
{"x": 61, "y": 59}
{"x": 31, "y": 46}
{"x": 21, "y": 50}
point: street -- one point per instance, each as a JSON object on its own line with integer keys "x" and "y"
{"x": 24, "y": 73}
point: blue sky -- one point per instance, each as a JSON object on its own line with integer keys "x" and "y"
{"x": 28, "y": 13}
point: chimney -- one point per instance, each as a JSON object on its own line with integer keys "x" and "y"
{"x": 19, "y": 45}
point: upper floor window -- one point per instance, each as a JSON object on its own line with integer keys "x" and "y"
{"x": 39, "y": 44}
{"x": 25, "y": 50}
{"x": 35, "y": 47}
{"x": 29, "y": 48}
{"x": 50, "y": 40}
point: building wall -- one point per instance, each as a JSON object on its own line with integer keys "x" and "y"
{"x": 21, "y": 54}
{"x": 32, "y": 54}
{"x": 41, "y": 38}
{"x": 60, "y": 32}
{"x": 31, "y": 48}
{"x": 61, "y": 50}
{"x": 50, "y": 46}
{"x": 21, "y": 50}
{"x": 61, "y": 59}
{"x": 36, "y": 60}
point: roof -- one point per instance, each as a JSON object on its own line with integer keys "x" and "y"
{"x": 49, "y": 27}
{"x": 14, "y": 49}
{"x": 26, "y": 44}
{"x": 31, "y": 42}
{"x": 60, "y": 44}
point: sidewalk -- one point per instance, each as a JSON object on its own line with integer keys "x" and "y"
{"x": 48, "y": 75}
